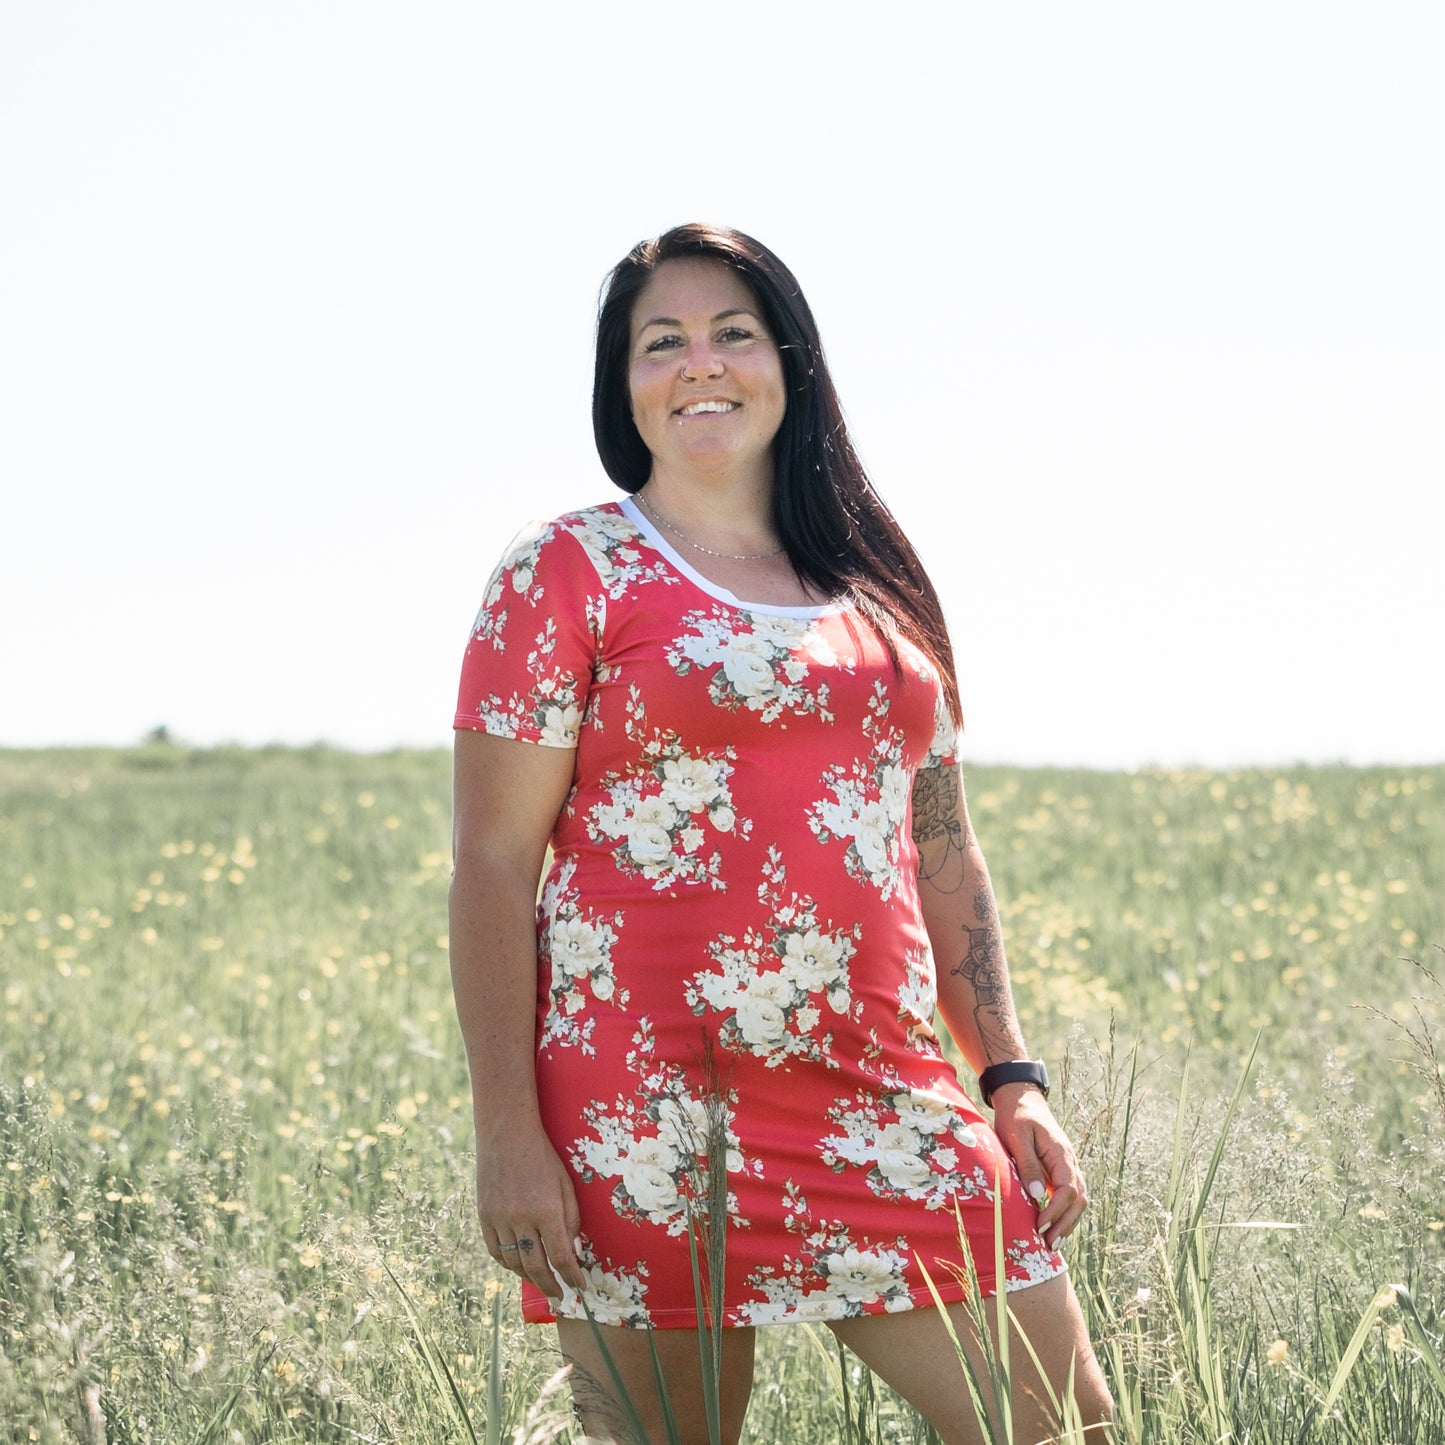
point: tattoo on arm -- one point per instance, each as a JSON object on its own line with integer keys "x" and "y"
{"x": 983, "y": 908}
{"x": 949, "y": 862}
{"x": 935, "y": 818}
{"x": 983, "y": 969}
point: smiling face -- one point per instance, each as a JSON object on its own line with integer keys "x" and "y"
{"x": 705, "y": 376}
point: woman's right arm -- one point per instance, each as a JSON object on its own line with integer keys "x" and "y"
{"x": 507, "y": 797}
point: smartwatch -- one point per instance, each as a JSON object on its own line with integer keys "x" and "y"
{"x": 1019, "y": 1071}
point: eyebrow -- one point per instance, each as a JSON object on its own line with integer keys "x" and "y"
{"x": 721, "y": 316}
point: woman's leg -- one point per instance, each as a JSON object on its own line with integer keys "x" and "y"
{"x": 913, "y": 1353}
{"x": 594, "y": 1394}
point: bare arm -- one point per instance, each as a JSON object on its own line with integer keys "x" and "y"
{"x": 507, "y": 797}
{"x": 974, "y": 996}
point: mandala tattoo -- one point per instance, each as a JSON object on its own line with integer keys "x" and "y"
{"x": 983, "y": 908}
{"x": 983, "y": 969}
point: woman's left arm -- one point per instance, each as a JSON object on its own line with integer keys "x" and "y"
{"x": 974, "y": 997}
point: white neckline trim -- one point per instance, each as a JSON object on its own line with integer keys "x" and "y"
{"x": 657, "y": 539}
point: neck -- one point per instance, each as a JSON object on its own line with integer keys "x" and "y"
{"x": 729, "y": 502}
{"x": 731, "y": 518}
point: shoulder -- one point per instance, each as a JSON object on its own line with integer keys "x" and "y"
{"x": 545, "y": 567}
{"x": 621, "y": 556}
{"x": 550, "y": 543}
{"x": 601, "y": 520}
{"x": 600, "y": 531}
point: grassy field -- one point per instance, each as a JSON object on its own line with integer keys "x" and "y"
{"x": 234, "y": 1126}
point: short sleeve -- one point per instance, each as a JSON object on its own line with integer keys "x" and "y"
{"x": 531, "y": 656}
{"x": 943, "y": 750}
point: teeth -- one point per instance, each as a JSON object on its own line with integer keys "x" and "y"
{"x": 702, "y": 406}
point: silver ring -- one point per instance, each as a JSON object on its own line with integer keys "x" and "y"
{"x": 503, "y": 1248}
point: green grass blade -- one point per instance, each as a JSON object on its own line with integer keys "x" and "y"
{"x": 710, "y": 1365}
{"x": 1382, "y": 1300}
{"x": 999, "y": 1357}
{"x": 1209, "y": 1174}
{"x": 1184, "y": 1241}
{"x": 437, "y": 1367}
{"x": 1420, "y": 1338}
{"x": 1175, "y": 1189}
{"x": 1059, "y": 1406}
{"x": 664, "y": 1398}
{"x": 494, "y": 1375}
{"x": 717, "y": 1220}
{"x": 1108, "y": 1216}
{"x": 970, "y": 1374}
{"x": 624, "y": 1400}
{"x": 849, "y": 1433}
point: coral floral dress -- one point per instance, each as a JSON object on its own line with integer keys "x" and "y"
{"x": 733, "y": 973}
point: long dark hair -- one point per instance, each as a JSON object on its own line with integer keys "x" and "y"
{"x": 838, "y": 534}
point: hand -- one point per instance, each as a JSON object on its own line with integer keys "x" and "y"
{"x": 528, "y": 1209}
{"x": 1026, "y": 1127}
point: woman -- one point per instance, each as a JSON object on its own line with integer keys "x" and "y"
{"x": 728, "y": 705}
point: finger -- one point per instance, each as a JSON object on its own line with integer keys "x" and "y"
{"x": 1063, "y": 1229}
{"x": 1067, "y": 1209}
{"x": 509, "y": 1256}
{"x": 1033, "y": 1174}
{"x": 573, "y": 1214}
{"x": 534, "y": 1265}
{"x": 574, "y": 1272}
{"x": 1067, "y": 1196}
{"x": 1060, "y": 1171}
{"x": 1061, "y": 1174}
{"x": 1051, "y": 1210}
{"x": 561, "y": 1251}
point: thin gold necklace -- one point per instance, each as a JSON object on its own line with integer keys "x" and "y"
{"x": 698, "y": 547}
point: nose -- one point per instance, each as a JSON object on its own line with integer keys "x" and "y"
{"x": 701, "y": 359}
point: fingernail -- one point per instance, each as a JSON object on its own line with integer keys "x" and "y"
{"x": 577, "y": 1246}
{"x": 1037, "y": 1190}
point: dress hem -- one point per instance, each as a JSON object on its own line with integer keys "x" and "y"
{"x": 535, "y": 1311}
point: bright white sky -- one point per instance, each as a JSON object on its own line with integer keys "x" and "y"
{"x": 1138, "y": 311}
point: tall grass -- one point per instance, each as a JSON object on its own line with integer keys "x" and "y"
{"x": 234, "y": 1126}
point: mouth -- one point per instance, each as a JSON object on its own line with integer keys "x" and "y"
{"x": 703, "y": 408}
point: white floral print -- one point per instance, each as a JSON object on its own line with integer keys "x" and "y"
{"x": 862, "y": 1276}
{"x": 577, "y": 948}
{"x": 551, "y": 713}
{"x": 616, "y": 1298}
{"x": 918, "y": 999}
{"x": 870, "y": 803}
{"x": 657, "y": 1146}
{"x": 830, "y": 1276}
{"x": 515, "y": 574}
{"x": 1033, "y": 1262}
{"x": 757, "y": 662}
{"x": 913, "y": 1145}
{"x": 654, "y": 815}
{"x": 945, "y": 736}
{"x": 616, "y": 548}
{"x": 772, "y": 986}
